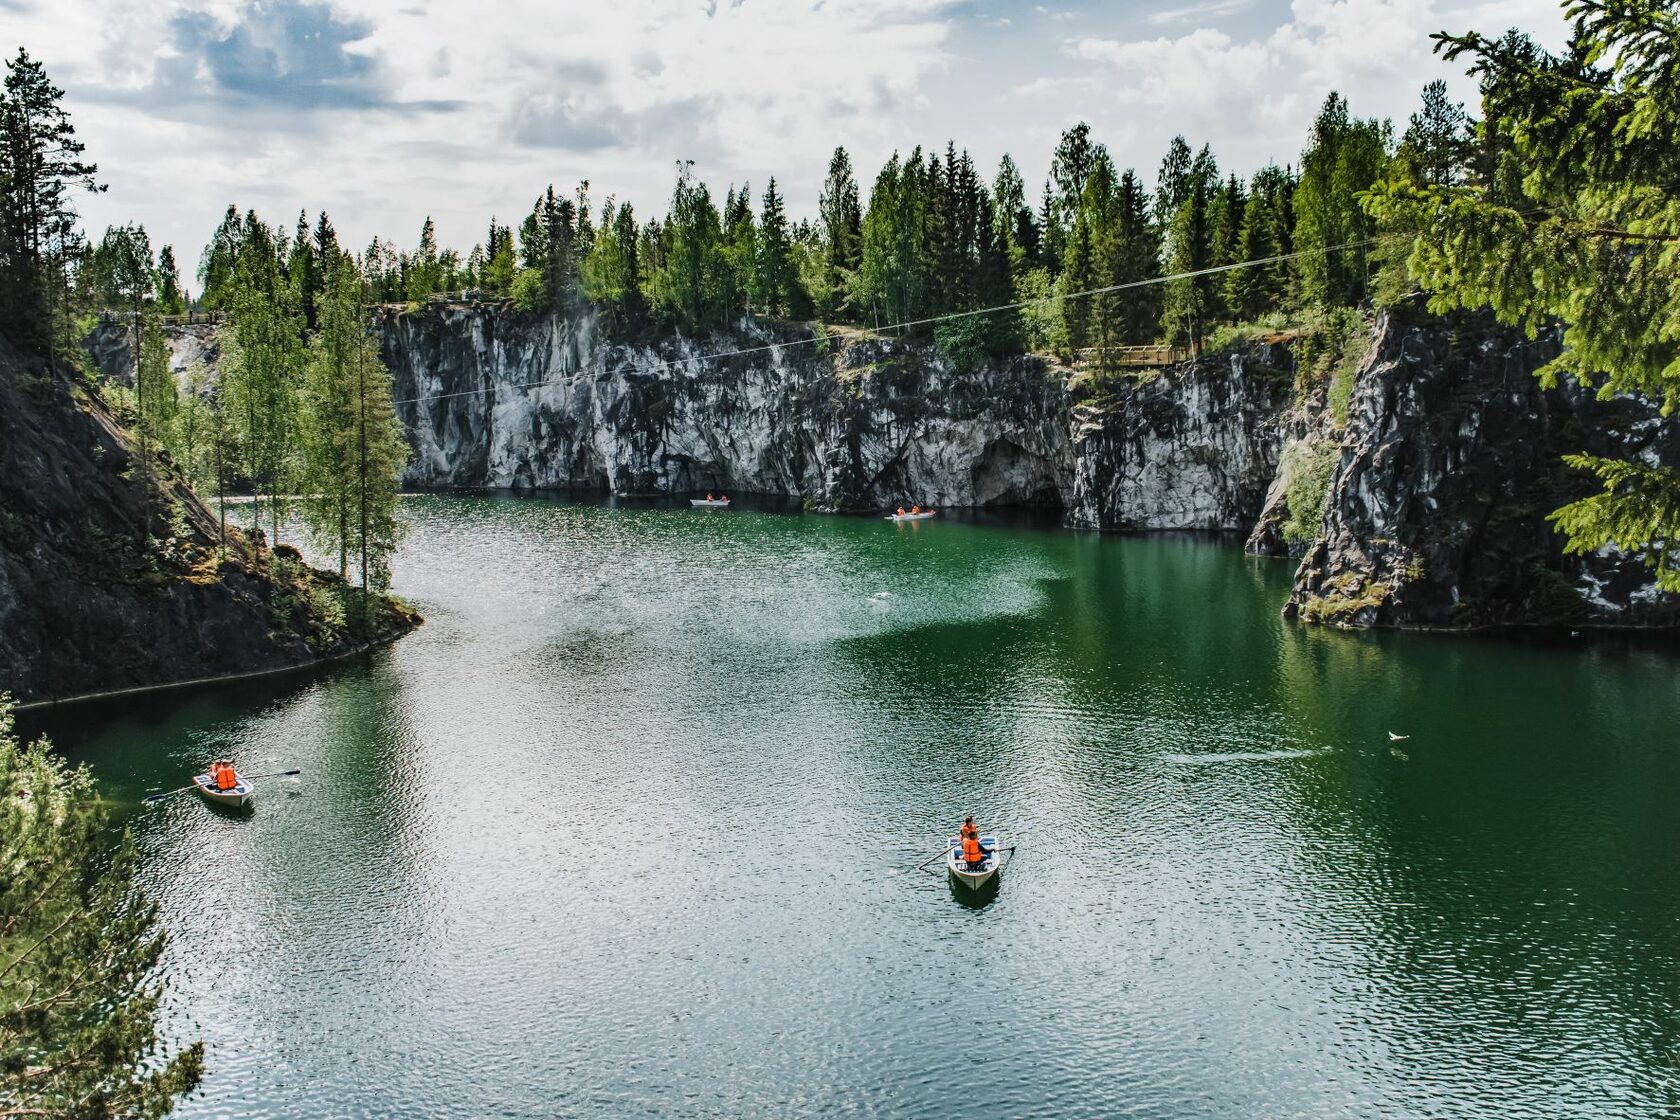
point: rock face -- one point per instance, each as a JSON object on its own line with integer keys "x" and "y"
{"x": 1450, "y": 464}
{"x": 109, "y": 573}
{"x": 1194, "y": 448}
{"x": 493, "y": 398}
{"x": 1435, "y": 479}
{"x": 109, "y": 346}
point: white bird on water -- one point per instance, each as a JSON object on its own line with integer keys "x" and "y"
{"x": 1396, "y": 738}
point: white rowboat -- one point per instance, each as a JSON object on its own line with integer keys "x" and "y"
{"x": 235, "y": 797}
{"x": 911, "y": 516}
{"x": 709, "y": 503}
{"x": 973, "y": 877}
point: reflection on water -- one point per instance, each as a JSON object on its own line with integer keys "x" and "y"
{"x": 629, "y": 828}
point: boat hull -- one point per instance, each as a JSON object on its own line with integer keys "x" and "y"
{"x": 702, "y": 503}
{"x": 973, "y": 877}
{"x": 236, "y": 798}
{"x": 900, "y": 517}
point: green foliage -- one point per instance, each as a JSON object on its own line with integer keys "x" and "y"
{"x": 529, "y": 292}
{"x": 78, "y": 946}
{"x": 352, "y": 448}
{"x": 963, "y": 341}
{"x": 1345, "y": 158}
{"x": 1638, "y": 510}
{"x": 1568, "y": 209}
{"x": 1307, "y": 468}
{"x": 40, "y": 163}
{"x": 1328, "y": 352}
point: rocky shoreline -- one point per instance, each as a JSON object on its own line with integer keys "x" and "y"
{"x": 115, "y": 577}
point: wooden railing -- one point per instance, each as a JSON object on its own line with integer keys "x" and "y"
{"x": 1132, "y": 357}
{"x": 191, "y": 318}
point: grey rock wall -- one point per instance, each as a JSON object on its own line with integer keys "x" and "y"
{"x": 1451, "y": 462}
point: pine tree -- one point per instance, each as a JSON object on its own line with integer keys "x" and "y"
{"x": 1190, "y": 302}
{"x": 1129, "y": 255}
{"x": 1346, "y": 157}
{"x": 1230, "y": 205}
{"x": 1173, "y": 184}
{"x": 1574, "y": 218}
{"x": 171, "y": 300}
{"x": 842, "y": 232}
{"x": 262, "y": 353}
{"x": 690, "y": 280}
{"x": 776, "y": 278}
{"x": 40, "y": 161}
{"x": 79, "y": 945}
{"x": 1439, "y": 138}
{"x": 216, "y": 266}
{"x": 425, "y": 273}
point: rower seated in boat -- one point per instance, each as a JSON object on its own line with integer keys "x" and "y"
{"x": 222, "y": 774}
{"x": 973, "y": 854}
{"x": 969, "y": 828}
{"x": 915, "y": 510}
{"x": 900, "y": 511}
{"x": 708, "y": 495}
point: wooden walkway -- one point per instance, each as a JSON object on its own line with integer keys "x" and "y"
{"x": 1132, "y": 357}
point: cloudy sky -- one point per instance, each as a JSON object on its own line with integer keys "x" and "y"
{"x": 385, "y": 111}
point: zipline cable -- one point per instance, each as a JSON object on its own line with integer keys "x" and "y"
{"x": 1130, "y": 285}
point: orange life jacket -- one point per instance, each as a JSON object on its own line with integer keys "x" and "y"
{"x": 226, "y": 778}
{"x": 968, "y": 830}
{"x": 972, "y": 851}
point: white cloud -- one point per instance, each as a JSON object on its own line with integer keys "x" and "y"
{"x": 1197, "y": 11}
{"x": 1254, "y": 98}
{"x": 188, "y": 104}
{"x": 382, "y": 114}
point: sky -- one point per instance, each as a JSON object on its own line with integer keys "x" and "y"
{"x": 383, "y": 113}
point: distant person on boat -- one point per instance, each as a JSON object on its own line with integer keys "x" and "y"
{"x": 900, "y": 511}
{"x": 973, "y": 854}
{"x": 915, "y": 509}
{"x": 969, "y": 828}
{"x": 708, "y": 495}
{"x": 222, "y": 773}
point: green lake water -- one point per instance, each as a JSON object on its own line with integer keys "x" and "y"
{"x": 629, "y": 827}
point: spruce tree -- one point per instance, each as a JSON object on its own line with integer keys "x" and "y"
{"x": 776, "y": 278}
{"x": 842, "y": 231}
{"x": 1574, "y": 218}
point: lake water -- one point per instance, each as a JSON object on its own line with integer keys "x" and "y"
{"x": 629, "y": 829}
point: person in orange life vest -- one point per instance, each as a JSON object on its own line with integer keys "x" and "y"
{"x": 708, "y": 495}
{"x": 901, "y": 511}
{"x": 915, "y": 509}
{"x": 969, "y": 828}
{"x": 222, "y": 773}
{"x": 973, "y": 854}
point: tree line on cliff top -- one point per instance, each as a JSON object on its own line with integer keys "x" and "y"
{"x": 1479, "y": 212}
{"x": 932, "y": 238}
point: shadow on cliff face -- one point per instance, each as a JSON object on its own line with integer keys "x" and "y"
{"x": 1006, "y": 474}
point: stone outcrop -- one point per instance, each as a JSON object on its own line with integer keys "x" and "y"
{"x": 110, "y": 573}
{"x": 1195, "y": 447}
{"x": 1435, "y": 473}
{"x": 494, "y": 398}
{"x": 1436, "y": 514}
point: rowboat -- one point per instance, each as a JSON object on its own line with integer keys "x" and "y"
{"x": 709, "y": 503}
{"x": 972, "y": 877}
{"x": 923, "y": 516}
{"x": 235, "y": 797}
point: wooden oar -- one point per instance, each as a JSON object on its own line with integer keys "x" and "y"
{"x": 248, "y": 777}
